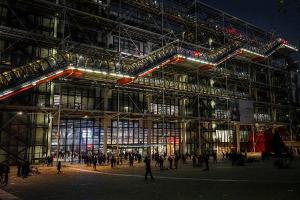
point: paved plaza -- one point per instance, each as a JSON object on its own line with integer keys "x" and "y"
{"x": 259, "y": 180}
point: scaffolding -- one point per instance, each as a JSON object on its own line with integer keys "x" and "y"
{"x": 180, "y": 53}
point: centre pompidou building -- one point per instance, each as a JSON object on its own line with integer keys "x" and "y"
{"x": 89, "y": 77}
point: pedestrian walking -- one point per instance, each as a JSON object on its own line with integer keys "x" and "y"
{"x": 161, "y": 163}
{"x": 215, "y": 156}
{"x": 156, "y": 159}
{"x": 59, "y": 167}
{"x": 148, "y": 168}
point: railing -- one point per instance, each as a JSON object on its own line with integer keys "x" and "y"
{"x": 156, "y": 57}
{"x": 191, "y": 87}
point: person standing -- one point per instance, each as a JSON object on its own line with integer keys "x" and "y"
{"x": 6, "y": 171}
{"x": 112, "y": 161}
{"x": 206, "y": 163}
{"x": 19, "y": 165}
{"x": 131, "y": 161}
{"x": 176, "y": 161}
{"x": 1, "y": 171}
{"x": 161, "y": 163}
{"x": 52, "y": 158}
{"x": 59, "y": 167}
{"x": 95, "y": 163}
{"x": 148, "y": 168}
{"x": 170, "y": 159}
{"x": 194, "y": 161}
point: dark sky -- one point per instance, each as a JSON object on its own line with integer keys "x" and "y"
{"x": 264, "y": 14}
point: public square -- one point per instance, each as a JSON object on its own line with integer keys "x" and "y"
{"x": 258, "y": 180}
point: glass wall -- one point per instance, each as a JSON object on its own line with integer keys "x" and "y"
{"x": 168, "y": 142}
{"x": 77, "y": 136}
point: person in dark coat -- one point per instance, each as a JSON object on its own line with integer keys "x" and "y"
{"x": 6, "y": 171}
{"x": 215, "y": 156}
{"x": 194, "y": 161}
{"x": 95, "y": 163}
{"x": 1, "y": 171}
{"x": 131, "y": 161}
{"x": 206, "y": 164}
{"x": 148, "y": 169}
{"x": 19, "y": 165}
{"x": 59, "y": 167}
{"x": 176, "y": 159}
{"x": 161, "y": 163}
{"x": 112, "y": 161}
{"x": 170, "y": 159}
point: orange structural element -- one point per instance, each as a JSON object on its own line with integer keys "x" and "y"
{"x": 13, "y": 93}
{"x": 177, "y": 61}
{"x": 147, "y": 72}
{"x": 68, "y": 71}
{"x": 239, "y": 53}
{"x": 257, "y": 59}
{"x": 124, "y": 80}
{"x": 74, "y": 74}
{"x": 206, "y": 67}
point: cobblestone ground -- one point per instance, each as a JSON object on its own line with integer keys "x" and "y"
{"x": 260, "y": 180}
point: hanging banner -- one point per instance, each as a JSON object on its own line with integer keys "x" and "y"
{"x": 241, "y": 111}
{"x": 295, "y": 83}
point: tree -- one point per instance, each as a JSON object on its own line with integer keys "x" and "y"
{"x": 288, "y": 6}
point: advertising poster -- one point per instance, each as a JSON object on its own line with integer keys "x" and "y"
{"x": 295, "y": 83}
{"x": 241, "y": 111}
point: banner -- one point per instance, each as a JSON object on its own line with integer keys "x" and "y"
{"x": 295, "y": 83}
{"x": 241, "y": 111}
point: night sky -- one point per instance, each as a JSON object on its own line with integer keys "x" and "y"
{"x": 264, "y": 14}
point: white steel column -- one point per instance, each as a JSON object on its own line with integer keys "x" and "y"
{"x": 50, "y": 119}
{"x": 149, "y": 126}
{"x": 105, "y": 124}
{"x": 149, "y": 123}
{"x": 183, "y": 135}
{"x": 58, "y": 123}
{"x": 49, "y": 134}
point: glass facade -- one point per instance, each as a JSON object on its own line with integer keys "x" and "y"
{"x": 84, "y": 136}
{"x": 77, "y": 136}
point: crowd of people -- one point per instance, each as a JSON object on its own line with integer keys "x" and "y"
{"x": 198, "y": 160}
